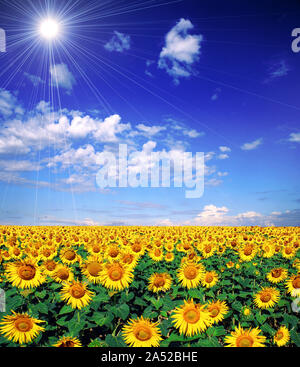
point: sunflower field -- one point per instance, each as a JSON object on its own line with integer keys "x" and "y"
{"x": 149, "y": 286}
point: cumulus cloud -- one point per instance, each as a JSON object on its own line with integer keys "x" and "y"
{"x": 212, "y": 215}
{"x": 181, "y": 50}
{"x": 119, "y": 42}
{"x": 294, "y": 137}
{"x": 9, "y": 105}
{"x": 35, "y": 80}
{"x": 224, "y": 149}
{"x": 223, "y": 156}
{"x": 62, "y": 77}
{"x": 150, "y": 130}
{"x": 252, "y": 145}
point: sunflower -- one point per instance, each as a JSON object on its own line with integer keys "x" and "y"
{"x": 268, "y": 250}
{"x": 208, "y": 250}
{"x": 209, "y": 279}
{"x": 282, "y": 336}
{"x": 128, "y": 258}
{"x": 68, "y": 255}
{"x": 245, "y": 338}
{"x": 76, "y": 294}
{"x": 169, "y": 257}
{"x": 277, "y": 275}
{"x": 24, "y": 274}
{"x": 62, "y": 274}
{"x": 20, "y": 327}
{"x": 191, "y": 318}
{"x": 116, "y": 276}
{"x": 293, "y": 285}
{"x": 142, "y": 333}
{"x": 288, "y": 252}
{"x": 67, "y": 341}
{"x": 266, "y": 297}
{"x": 92, "y": 268}
{"x": 217, "y": 310}
{"x": 247, "y": 253}
{"x": 160, "y": 282}
{"x": 156, "y": 254}
{"x": 15, "y": 253}
{"x": 48, "y": 267}
{"x": 190, "y": 274}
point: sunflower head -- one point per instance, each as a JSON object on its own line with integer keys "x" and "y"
{"x": 142, "y": 333}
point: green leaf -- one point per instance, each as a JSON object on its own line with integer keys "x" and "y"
{"x": 260, "y": 318}
{"x": 66, "y": 309}
{"x": 42, "y": 308}
{"x": 216, "y": 331}
{"x": 114, "y": 341}
{"x": 295, "y": 337}
{"x": 237, "y": 306}
{"x": 41, "y": 294}
{"x": 178, "y": 338}
{"x": 211, "y": 342}
{"x": 291, "y": 320}
{"x": 123, "y": 311}
{"x": 266, "y": 328}
{"x": 101, "y": 318}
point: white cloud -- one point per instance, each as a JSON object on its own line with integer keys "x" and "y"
{"x": 35, "y": 80}
{"x": 181, "y": 50}
{"x": 119, "y": 42}
{"x": 62, "y": 77}
{"x": 212, "y": 215}
{"x": 222, "y": 174}
{"x": 9, "y": 104}
{"x": 294, "y": 137}
{"x": 224, "y": 149}
{"x": 223, "y": 156}
{"x": 253, "y": 145}
{"x": 150, "y": 130}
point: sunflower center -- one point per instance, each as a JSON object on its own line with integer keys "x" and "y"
{"x": 23, "y": 325}
{"x": 70, "y": 255}
{"x": 296, "y": 282}
{"x": 115, "y": 273}
{"x": 68, "y": 343}
{"x": 190, "y": 272}
{"x": 113, "y": 253}
{"x": 50, "y": 265}
{"x": 93, "y": 268}
{"x": 46, "y": 253}
{"x": 77, "y": 291}
{"x": 27, "y": 272}
{"x": 276, "y": 273}
{"x": 244, "y": 341}
{"x": 265, "y": 297}
{"x": 128, "y": 259}
{"x": 191, "y": 316}
{"x": 63, "y": 274}
{"x": 96, "y": 249}
{"x": 214, "y": 312}
{"x": 136, "y": 248}
{"x": 248, "y": 251}
{"x": 143, "y": 333}
{"x": 159, "y": 281}
{"x": 157, "y": 252}
{"x": 207, "y": 249}
{"x": 209, "y": 278}
{"x": 17, "y": 252}
{"x": 279, "y": 335}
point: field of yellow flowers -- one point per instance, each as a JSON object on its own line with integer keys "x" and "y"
{"x": 150, "y": 286}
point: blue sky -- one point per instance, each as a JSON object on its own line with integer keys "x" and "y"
{"x": 218, "y": 77}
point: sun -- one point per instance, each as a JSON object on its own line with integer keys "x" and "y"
{"x": 49, "y": 28}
